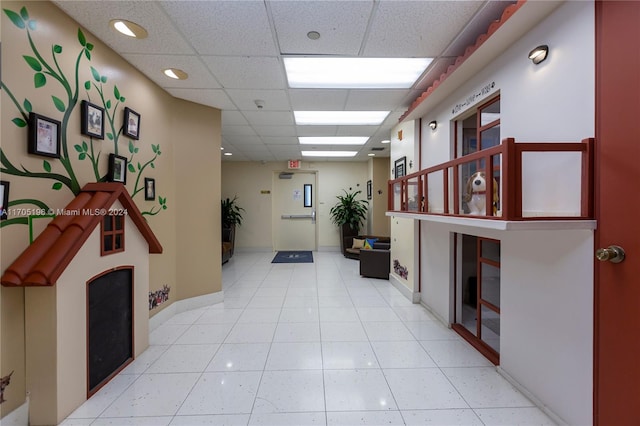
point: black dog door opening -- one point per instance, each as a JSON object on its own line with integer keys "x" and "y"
{"x": 110, "y": 326}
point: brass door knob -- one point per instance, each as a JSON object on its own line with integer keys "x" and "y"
{"x": 613, "y": 254}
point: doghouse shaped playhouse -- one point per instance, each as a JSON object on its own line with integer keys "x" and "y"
{"x": 86, "y": 279}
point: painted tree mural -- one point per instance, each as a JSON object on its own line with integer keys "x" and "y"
{"x": 46, "y": 70}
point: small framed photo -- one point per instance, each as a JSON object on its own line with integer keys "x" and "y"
{"x": 117, "y": 169}
{"x": 131, "y": 123}
{"x": 369, "y": 190}
{"x": 400, "y": 167}
{"x": 44, "y": 136}
{"x": 92, "y": 120}
{"x": 149, "y": 189}
{"x": 4, "y": 199}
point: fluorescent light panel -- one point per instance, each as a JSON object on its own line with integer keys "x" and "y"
{"x": 329, "y": 153}
{"x": 333, "y": 140}
{"x": 340, "y": 118}
{"x": 354, "y": 73}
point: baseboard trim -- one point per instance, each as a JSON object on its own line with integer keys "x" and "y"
{"x": 185, "y": 305}
{"x": 18, "y": 417}
{"x": 414, "y": 297}
{"x": 435, "y": 314}
{"x": 545, "y": 409}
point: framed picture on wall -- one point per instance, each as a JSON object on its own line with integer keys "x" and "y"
{"x": 92, "y": 120}
{"x": 400, "y": 167}
{"x": 4, "y": 199}
{"x": 131, "y": 125}
{"x": 369, "y": 190}
{"x": 44, "y": 136}
{"x": 149, "y": 189}
{"x": 117, "y": 169}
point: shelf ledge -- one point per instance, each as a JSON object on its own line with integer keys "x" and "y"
{"x": 501, "y": 225}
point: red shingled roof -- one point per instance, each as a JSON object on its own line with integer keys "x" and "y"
{"x": 42, "y": 263}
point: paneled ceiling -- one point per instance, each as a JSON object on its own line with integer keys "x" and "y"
{"x": 233, "y": 53}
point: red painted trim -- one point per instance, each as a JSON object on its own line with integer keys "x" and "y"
{"x": 486, "y": 350}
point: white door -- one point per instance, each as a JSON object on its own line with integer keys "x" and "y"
{"x": 294, "y": 207}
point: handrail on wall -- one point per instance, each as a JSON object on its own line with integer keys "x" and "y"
{"x": 511, "y": 181}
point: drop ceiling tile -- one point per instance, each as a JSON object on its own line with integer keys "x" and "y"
{"x": 247, "y": 72}
{"x": 152, "y": 65}
{"x": 284, "y": 149}
{"x": 341, "y": 24}
{"x": 233, "y": 118}
{"x": 223, "y": 27}
{"x": 243, "y": 140}
{"x": 279, "y": 140}
{"x": 356, "y": 130}
{"x": 163, "y": 37}
{"x": 316, "y": 130}
{"x": 269, "y": 118}
{"x": 278, "y": 131}
{"x": 215, "y": 98}
{"x": 274, "y": 100}
{"x": 398, "y": 28}
{"x": 318, "y": 100}
{"x": 375, "y": 100}
{"x": 229, "y": 131}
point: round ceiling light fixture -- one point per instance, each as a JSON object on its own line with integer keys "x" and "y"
{"x": 128, "y": 28}
{"x": 313, "y": 35}
{"x": 175, "y": 73}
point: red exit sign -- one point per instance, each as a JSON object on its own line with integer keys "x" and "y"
{"x": 294, "y": 164}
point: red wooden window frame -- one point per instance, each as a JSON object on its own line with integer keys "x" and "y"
{"x": 114, "y": 234}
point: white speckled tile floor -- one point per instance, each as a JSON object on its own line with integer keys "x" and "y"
{"x": 307, "y": 344}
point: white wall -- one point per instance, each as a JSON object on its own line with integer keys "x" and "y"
{"x": 550, "y": 102}
{"x": 248, "y": 179}
{"x": 547, "y": 280}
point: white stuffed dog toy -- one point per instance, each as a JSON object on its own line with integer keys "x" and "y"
{"x": 476, "y": 197}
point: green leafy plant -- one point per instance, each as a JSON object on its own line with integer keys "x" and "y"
{"x": 349, "y": 210}
{"x": 231, "y": 213}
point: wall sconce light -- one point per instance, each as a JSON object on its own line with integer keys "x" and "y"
{"x": 539, "y": 54}
{"x": 433, "y": 124}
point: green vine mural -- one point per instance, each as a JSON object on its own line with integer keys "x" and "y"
{"x": 47, "y": 70}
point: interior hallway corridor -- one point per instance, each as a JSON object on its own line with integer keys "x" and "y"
{"x": 307, "y": 344}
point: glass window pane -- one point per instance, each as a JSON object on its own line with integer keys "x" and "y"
{"x": 107, "y": 223}
{"x": 118, "y": 242}
{"x": 491, "y": 250}
{"x": 490, "y": 137}
{"x": 490, "y": 331}
{"x": 490, "y": 113}
{"x": 490, "y": 284}
{"x": 108, "y": 243}
{"x": 119, "y": 222}
{"x": 469, "y": 275}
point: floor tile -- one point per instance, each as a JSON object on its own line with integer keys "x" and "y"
{"x": 215, "y": 419}
{"x": 335, "y": 302}
{"x": 222, "y": 393}
{"x": 352, "y": 418}
{"x": 251, "y": 333}
{"x": 290, "y": 392}
{"x": 259, "y": 315}
{"x": 431, "y": 330}
{"x": 294, "y": 356}
{"x": 240, "y": 357}
{"x": 402, "y": 355}
{"x": 184, "y": 359}
{"x": 153, "y": 395}
{"x": 454, "y": 353}
{"x": 95, "y": 405}
{"x": 338, "y": 315}
{"x": 133, "y": 421}
{"x": 357, "y": 390}
{"x": 369, "y": 301}
{"x": 526, "y": 416}
{"x": 461, "y": 417}
{"x": 145, "y": 359}
{"x": 299, "y": 315}
{"x": 288, "y": 419}
{"x": 219, "y": 316}
{"x": 204, "y": 333}
{"x": 411, "y": 312}
{"x": 387, "y": 331}
{"x": 187, "y": 317}
{"x": 300, "y": 302}
{"x": 297, "y": 332}
{"x": 266, "y": 302}
{"x": 377, "y": 314}
{"x": 426, "y": 388}
{"x": 342, "y": 332}
{"x": 348, "y": 355}
{"x": 483, "y": 387}
{"x": 167, "y": 334}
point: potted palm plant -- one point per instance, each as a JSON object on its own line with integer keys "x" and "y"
{"x": 231, "y": 216}
{"x": 349, "y": 214}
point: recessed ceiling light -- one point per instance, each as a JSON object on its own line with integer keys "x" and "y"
{"x": 329, "y": 153}
{"x": 386, "y": 141}
{"x": 313, "y": 35}
{"x": 128, "y": 28}
{"x": 343, "y": 118}
{"x": 222, "y": 148}
{"x": 356, "y": 73}
{"x": 333, "y": 140}
{"x": 371, "y": 154}
{"x": 175, "y": 73}
{"x": 228, "y": 153}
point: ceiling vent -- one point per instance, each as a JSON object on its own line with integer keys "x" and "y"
{"x": 285, "y": 175}
{"x": 378, "y": 148}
